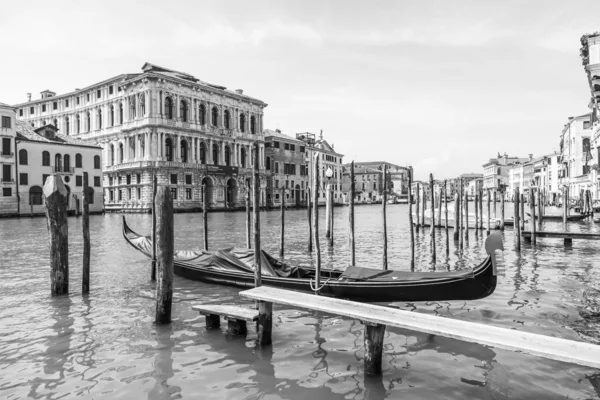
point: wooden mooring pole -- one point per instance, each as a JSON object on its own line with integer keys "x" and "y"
{"x": 282, "y": 238}
{"x": 522, "y": 212}
{"x": 205, "y": 215}
{"x": 517, "y": 222}
{"x": 502, "y": 209}
{"x": 446, "y": 218}
{"x": 476, "y": 212}
{"x": 439, "y": 207}
{"x": 384, "y": 204}
{"x": 330, "y": 216}
{"x": 327, "y": 210}
{"x": 423, "y": 205}
{"x": 410, "y": 218}
{"x": 456, "y": 216}
{"x": 540, "y": 208}
{"x": 153, "y": 262}
{"x": 264, "y": 324}
{"x": 417, "y": 206}
{"x": 315, "y": 223}
{"x": 373, "y": 339}
{"x": 248, "y": 217}
{"x": 481, "y": 209}
{"x": 164, "y": 255}
{"x": 488, "y": 212}
{"x": 85, "y": 282}
{"x": 564, "y": 204}
{"x": 309, "y": 217}
{"x": 77, "y": 207}
{"x": 495, "y": 201}
{"x": 351, "y": 213}
{"x": 532, "y": 212}
{"x": 431, "y": 188}
{"x": 466, "y": 214}
{"x": 461, "y": 224}
{"x": 55, "y": 199}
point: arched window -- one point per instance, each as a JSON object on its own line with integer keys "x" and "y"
{"x": 202, "y": 114}
{"x": 67, "y": 125}
{"x": 268, "y": 163}
{"x": 96, "y": 162}
{"x": 253, "y": 124}
{"x": 169, "y": 149}
{"x": 55, "y": 123}
{"x": 90, "y": 195}
{"x": 142, "y": 105}
{"x": 168, "y": 107}
{"x": 120, "y": 113}
{"x": 22, "y": 157}
{"x": 58, "y": 162}
{"x": 44, "y": 123}
{"x": 183, "y": 110}
{"x": 78, "y": 161}
{"x": 227, "y": 156}
{"x": 45, "y": 158}
{"x": 67, "y": 162}
{"x": 184, "y": 151}
{"x": 35, "y": 196}
{"x": 112, "y": 154}
{"x": 243, "y": 157}
{"x": 120, "y": 153}
{"x": 112, "y": 116}
{"x": 78, "y": 124}
{"x": 215, "y": 116}
{"x": 88, "y": 119}
{"x": 132, "y": 108}
{"x": 202, "y": 153}
{"x": 243, "y": 122}
{"x": 276, "y": 167}
{"x": 215, "y": 154}
{"x": 226, "y": 119}
{"x": 99, "y": 118}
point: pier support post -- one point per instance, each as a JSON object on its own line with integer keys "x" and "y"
{"x": 351, "y": 214}
{"x": 236, "y": 327}
{"x": 164, "y": 253}
{"x": 488, "y": 212}
{"x": 466, "y": 215}
{"x": 205, "y": 215}
{"x": 532, "y": 212}
{"x": 410, "y": 218}
{"x": 432, "y": 219}
{"x": 540, "y": 208}
{"x": 446, "y": 218}
{"x": 309, "y": 217}
{"x": 374, "y": 334}
{"x": 153, "y": 262}
{"x": 568, "y": 241}
{"x": 256, "y": 212}
{"x": 517, "y": 219}
{"x": 248, "y": 217}
{"x": 264, "y": 323}
{"x": 502, "y": 209}
{"x": 456, "y": 216}
{"x": 85, "y": 283}
{"x": 417, "y": 206}
{"x": 213, "y": 321}
{"x": 282, "y": 238}
{"x": 55, "y": 199}
{"x": 383, "y": 206}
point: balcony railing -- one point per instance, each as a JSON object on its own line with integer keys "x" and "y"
{"x": 59, "y": 169}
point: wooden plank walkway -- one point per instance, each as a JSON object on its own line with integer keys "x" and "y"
{"x": 569, "y": 351}
{"x": 563, "y": 235}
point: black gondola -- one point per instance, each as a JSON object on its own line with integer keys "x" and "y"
{"x": 234, "y": 267}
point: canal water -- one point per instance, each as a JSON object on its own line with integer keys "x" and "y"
{"x": 105, "y": 345}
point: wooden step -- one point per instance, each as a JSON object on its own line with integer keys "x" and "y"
{"x": 237, "y": 316}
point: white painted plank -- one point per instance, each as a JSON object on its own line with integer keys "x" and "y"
{"x": 227, "y": 311}
{"x": 570, "y": 351}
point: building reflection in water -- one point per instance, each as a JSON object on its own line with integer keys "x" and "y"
{"x": 163, "y": 364}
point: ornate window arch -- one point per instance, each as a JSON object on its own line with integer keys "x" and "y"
{"x": 184, "y": 150}
{"x": 183, "y": 110}
{"x": 202, "y": 114}
{"x": 45, "y": 158}
{"x": 168, "y": 107}
{"x": 253, "y": 124}
{"x": 227, "y": 156}
{"x": 215, "y": 154}
{"x": 22, "y": 157}
{"x": 202, "y": 153}
{"x": 243, "y": 122}
{"x": 226, "y": 119}
{"x": 215, "y": 116}
{"x": 78, "y": 161}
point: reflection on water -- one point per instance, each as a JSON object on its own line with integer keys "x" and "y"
{"x": 105, "y": 345}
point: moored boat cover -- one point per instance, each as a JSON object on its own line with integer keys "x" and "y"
{"x": 371, "y": 274}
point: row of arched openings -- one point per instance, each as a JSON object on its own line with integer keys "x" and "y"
{"x": 60, "y": 162}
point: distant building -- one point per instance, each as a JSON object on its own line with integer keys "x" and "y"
{"x": 575, "y": 154}
{"x": 495, "y": 171}
{"x": 368, "y": 177}
{"x": 9, "y": 202}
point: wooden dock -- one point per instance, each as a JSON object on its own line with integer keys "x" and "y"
{"x": 567, "y": 236}
{"x": 554, "y": 348}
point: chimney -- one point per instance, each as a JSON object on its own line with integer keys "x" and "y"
{"x": 239, "y": 91}
{"x": 28, "y": 96}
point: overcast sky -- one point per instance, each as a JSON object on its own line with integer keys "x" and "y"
{"x": 442, "y": 86}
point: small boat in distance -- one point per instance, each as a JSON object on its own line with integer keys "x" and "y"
{"x": 234, "y": 267}
{"x": 557, "y": 217}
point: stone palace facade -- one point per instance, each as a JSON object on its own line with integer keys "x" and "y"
{"x": 196, "y": 137}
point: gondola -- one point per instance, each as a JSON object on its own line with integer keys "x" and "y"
{"x": 556, "y": 217}
{"x": 233, "y": 267}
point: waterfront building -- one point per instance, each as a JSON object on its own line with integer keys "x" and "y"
{"x": 8, "y": 201}
{"x": 42, "y": 152}
{"x": 495, "y": 171}
{"x": 328, "y": 158}
{"x": 160, "y": 122}
{"x": 575, "y": 154}
{"x": 285, "y": 161}
{"x": 397, "y": 176}
{"x": 368, "y": 184}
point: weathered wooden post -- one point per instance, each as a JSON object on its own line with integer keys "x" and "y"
{"x": 466, "y": 214}
{"x": 423, "y": 205}
{"x": 417, "y": 205}
{"x": 205, "y": 215}
{"x": 439, "y": 207}
{"x": 77, "y": 207}
{"x": 309, "y": 217}
{"x": 30, "y": 207}
{"x": 410, "y": 219}
{"x": 327, "y": 210}
{"x": 384, "y": 204}
{"x": 164, "y": 255}
{"x": 55, "y": 199}
{"x": 461, "y": 223}
{"x": 456, "y": 216}
{"x": 488, "y": 212}
{"x": 351, "y": 214}
{"x": 85, "y": 285}
{"x": 476, "y": 205}
{"x": 502, "y": 209}
{"x": 522, "y": 211}
{"x": 540, "y": 208}
{"x": 517, "y": 222}
{"x": 282, "y": 238}
{"x": 446, "y": 218}
{"x": 315, "y": 222}
{"x": 374, "y": 334}
{"x": 495, "y": 198}
{"x": 330, "y": 215}
{"x": 432, "y": 219}
{"x": 153, "y": 262}
{"x": 481, "y": 208}
{"x": 248, "y": 218}
{"x": 532, "y": 212}
{"x": 564, "y": 200}
{"x": 256, "y": 214}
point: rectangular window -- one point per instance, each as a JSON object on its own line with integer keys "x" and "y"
{"x": 6, "y": 122}
{"x": 98, "y": 94}
{"x": 88, "y": 97}
{"x": 302, "y": 149}
{"x": 23, "y": 179}
{"x": 111, "y": 195}
{"x": 129, "y": 194}
{"x": 138, "y": 178}
{"x": 77, "y": 98}
{"x": 188, "y": 179}
{"x": 67, "y": 103}
{"x": 6, "y": 173}
{"x": 139, "y": 193}
{"x": 21, "y": 112}
{"x": 78, "y": 180}
{"x": 55, "y": 105}
{"x": 286, "y": 146}
{"x": 119, "y": 88}
{"x": 97, "y": 181}
{"x": 276, "y": 196}
{"x": 120, "y": 195}
{"x": 6, "y": 192}
{"x": 110, "y": 181}
{"x": 174, "y": 180}
{"x": 129, "y": 179}
{"x": 188, "y": 193}
{"x": 43, "y": 108}
{"x": 292, "y": 147}
{"x": 174, "y": 193}
{"x": 44, "y": 177}
{"x": 31, "y": 110}
{"x": 111, "y": 89}
{"x": 586, "y": 124}
{"x": 276, "y": 184}
{"x": 119, "y": 179}
{"x": 276, "y": 145}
